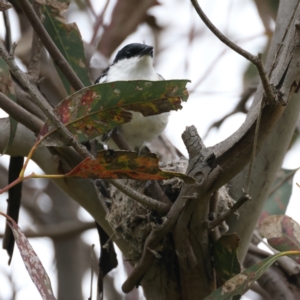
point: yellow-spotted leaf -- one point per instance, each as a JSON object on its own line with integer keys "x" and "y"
{"x": 97, "y": 109}
{"x": 111, "y": 164}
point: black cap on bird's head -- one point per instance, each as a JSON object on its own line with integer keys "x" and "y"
{"x": 133, "y": 50}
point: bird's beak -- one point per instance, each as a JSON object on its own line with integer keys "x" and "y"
{"x": 148, "y": 50}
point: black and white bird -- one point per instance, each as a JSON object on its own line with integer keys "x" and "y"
{"x": 134, "y": 62}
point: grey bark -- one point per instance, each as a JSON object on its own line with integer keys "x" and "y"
{"x": 271, "y": 155}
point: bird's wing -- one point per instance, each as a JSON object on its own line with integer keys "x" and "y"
{"x": 102, "y": 77}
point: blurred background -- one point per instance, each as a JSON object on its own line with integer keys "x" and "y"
{"x": 221, "y": 89}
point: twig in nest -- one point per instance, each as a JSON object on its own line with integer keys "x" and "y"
{"x": 151, "y": 242}
{"x": 160, "y": 207}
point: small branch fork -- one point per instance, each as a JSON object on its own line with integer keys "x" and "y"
{"x": 39, "y": 100}
{"x": 243, "y": 199}
{"x": 271, "y": 94}
{"x": 256, "y": 60}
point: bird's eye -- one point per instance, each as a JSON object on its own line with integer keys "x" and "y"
{"x": 128, "y": 54}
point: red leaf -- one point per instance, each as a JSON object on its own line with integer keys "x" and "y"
{"x": 32, "y": 262}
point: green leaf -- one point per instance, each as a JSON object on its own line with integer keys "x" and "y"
{"x": 240, "y": 284}
{"x": 97, "y": 109}
{"x": 111, "y": 164}
{"x": 278, "y": 201}
{"x": 225, "y": 257}
{"x": 6, "y": 87}
{"x": 282, "y": 233}
{"x": 68, "y": 40}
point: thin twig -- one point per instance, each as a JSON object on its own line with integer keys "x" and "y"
{"x": 282, "y": 181}
{"x": 217, "y": 59}
{"x": 62, "y": 230}
{"x": 240, "y": 107}
{"x": 120, "y": 141}
{"x": 90, "y": 6}
{"x": 36, "y": 49}
{"x": 92, "y": 272}
{"x": 244, "y": 198}
{"x": 99, "y": 22}
{"x": 142, "y": 199}
{"x": 56, "y": 55}
{"x": 256, "y": 60}
{"x": 8, "y": 40}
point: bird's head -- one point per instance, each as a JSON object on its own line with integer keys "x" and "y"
{"x": 135, "y": 61}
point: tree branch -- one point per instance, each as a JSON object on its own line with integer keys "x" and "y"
{"x": 20, "y": 114}
{"x": 256, "y": 60}
{"x": 151, "y": 203}
{"x": 41, "y": 102}
{"x": 152, "y": 242}
{"x": 58, "y": 231}
{"x": 244, "y": 198}
{"x": 283, "y": 61}
{"x": 36, "y": 49}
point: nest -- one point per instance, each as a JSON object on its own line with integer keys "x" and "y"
{"x": 133, "y": 222}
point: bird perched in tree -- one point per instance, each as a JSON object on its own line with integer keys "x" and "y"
{"x": 135, "y": 62}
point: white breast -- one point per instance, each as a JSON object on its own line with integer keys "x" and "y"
{"x": 140, "y": 129}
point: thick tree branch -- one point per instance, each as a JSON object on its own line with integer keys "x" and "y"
{"x": 56, "y": 55}
{"x": 58, "y": 231}
{"x": 191, "y": 236}
{"x": 283, "y": 61}
{"x": 20, "y": 114}
{"x": 189, "y": 192}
